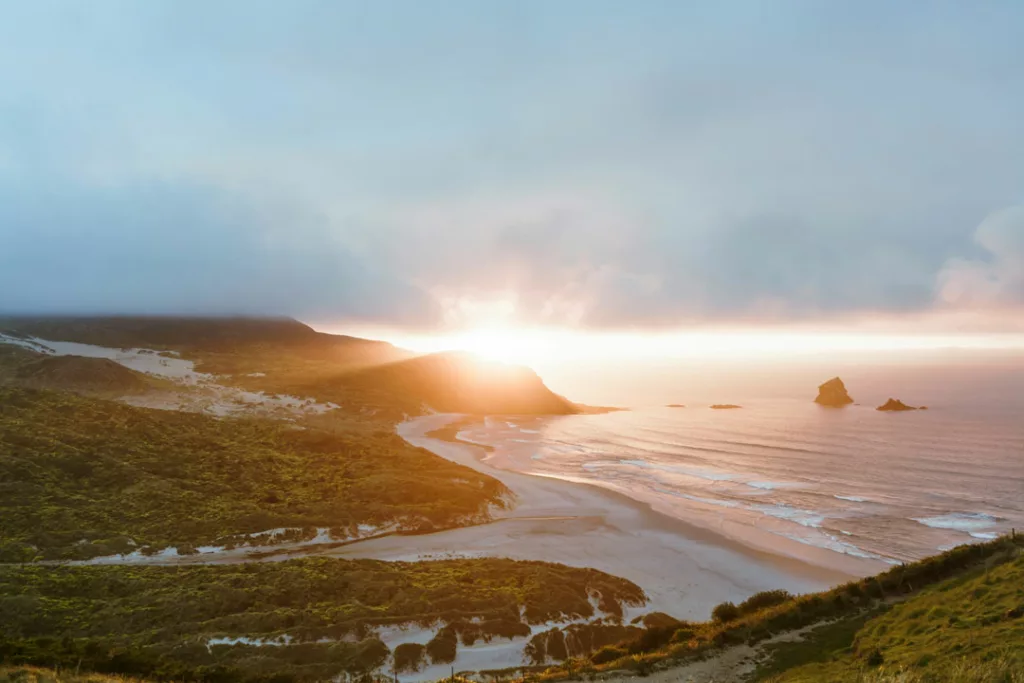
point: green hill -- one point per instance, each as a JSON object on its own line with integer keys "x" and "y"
{"x": 968, "y": 628}
{"x": 83, "y": 476}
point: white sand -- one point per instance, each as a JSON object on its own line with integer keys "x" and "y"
{"x": 685, "y": 570}
{"x": 195, "y": 392}
{"x": 259, "y": 542}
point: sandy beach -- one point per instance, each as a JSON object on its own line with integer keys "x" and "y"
{"x": 685, "y": 570}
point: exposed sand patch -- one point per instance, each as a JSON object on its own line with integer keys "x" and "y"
{"x": 254, "y": 547}
{"x": 194, "y": 391}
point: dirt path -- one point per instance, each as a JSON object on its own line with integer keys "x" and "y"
{"x": 731, "y": 665}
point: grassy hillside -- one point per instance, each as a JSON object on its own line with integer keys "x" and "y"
{"x": 158, "y": 621}
{"x": 84, "y": 476}
{"x": 969, "y": 628}
{"x": 35, "y": 674}
{"x": 962, "y": 608}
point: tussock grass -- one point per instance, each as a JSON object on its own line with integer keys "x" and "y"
{"x": 932, "y": 614}
{"x": 33, "y": 674}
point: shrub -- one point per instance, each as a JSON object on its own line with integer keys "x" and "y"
{"x": 656, "y": 619}
{"x": 409, "y": 657}
{"x": 608, "y": 653}
{"x": 683, "y": 635}
{"x": 442, "y": 646}
{"x": 725, "y": 612}
{"x": 651, "y": 639}
{"x": 763, "y": 599}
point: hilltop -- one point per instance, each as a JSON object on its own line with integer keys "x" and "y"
{"x": 164, "y": 331}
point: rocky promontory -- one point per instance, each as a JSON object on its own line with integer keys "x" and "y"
{"x": 833, "y": 394}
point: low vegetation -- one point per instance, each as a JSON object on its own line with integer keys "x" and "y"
{"x": 969, "y": 628}
{"x": 961, "y": 610}
{"x": 81, "y": 477}
{"x": 159, "y": 621}
{"x": 99, "y": 376}
{"x": 34, "y": 674}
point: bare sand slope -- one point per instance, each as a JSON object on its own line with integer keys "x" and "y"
{"x": 684, "y": 569}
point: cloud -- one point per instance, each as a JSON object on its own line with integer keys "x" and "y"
{"x": 995, "y": 280}
{"x": 576, "y": 163}
{"x": 168, "y": 248}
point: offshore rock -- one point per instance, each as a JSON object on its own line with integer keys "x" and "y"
{"x": 833, "y": 393}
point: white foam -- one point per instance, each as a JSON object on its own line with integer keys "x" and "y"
{"x": 710, "y": 475}
{"x": 808, "y": 518}
{"x": 959, "y": 521}
{"x": 852, "y": 499}
{"x": 773, "y": 485}
{"x": 828, "y": 542}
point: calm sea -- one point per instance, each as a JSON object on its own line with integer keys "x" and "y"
{"x": 891, "y": 486}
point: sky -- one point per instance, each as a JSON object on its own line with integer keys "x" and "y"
{"x": 592, "y": 165}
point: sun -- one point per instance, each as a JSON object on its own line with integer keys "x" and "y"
{"x": 502, "y": 344}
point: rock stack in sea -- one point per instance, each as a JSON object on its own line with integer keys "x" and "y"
{"x": 895, "y": 404}
{"x": 833, "y": 393}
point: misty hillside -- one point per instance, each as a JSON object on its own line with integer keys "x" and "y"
{"x": 281, "y": 355}
{"x": 162, "y": 331}
{"x": 218, "y": 338}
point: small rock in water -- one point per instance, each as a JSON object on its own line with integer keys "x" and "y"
{"x": 895, "y": 404}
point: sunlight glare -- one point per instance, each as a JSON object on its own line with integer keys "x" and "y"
{"x": 544, "y": 346}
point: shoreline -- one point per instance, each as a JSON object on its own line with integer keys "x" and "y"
{"x": 685, "y": 569}
{"x": 449, "y": 432}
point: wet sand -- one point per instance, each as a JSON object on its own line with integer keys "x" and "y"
{"x": 685, "y": 570}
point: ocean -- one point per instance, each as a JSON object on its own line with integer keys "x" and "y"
{"x": 887, "y": 486}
